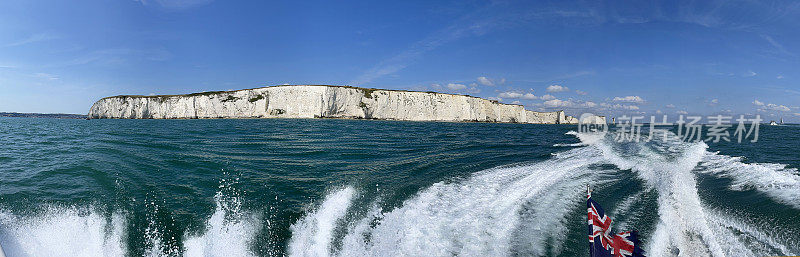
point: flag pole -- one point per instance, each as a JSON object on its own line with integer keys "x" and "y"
{"x": 589, "y": 196}
{"x": 588, "y": 192}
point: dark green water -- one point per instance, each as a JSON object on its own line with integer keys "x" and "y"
{"x": 353, "y": 188}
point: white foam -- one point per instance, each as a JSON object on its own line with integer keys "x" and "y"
{"x": 742, "y": 239}
{"x": 312, "y": 235}
{"x": 62, "y": 232}
{"x": 480, "y": 216}
{"x": 777, "y": 181}
{"x": 621, "y": 213}
{"x": 154, "y": 244}
{"x": 228, "y": 232}
{"x": 685, "y": 226}
{"x": 682, "y": 225}
{"x": 588, "y": 138}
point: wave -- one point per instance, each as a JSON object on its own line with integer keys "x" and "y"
{"x": 313, "y": 234}
{"x": 622, "y": 212}
{"x": 71, "y": 231}
{"x": 228, "y": 232}
{"x": 776, "y": 180}
{"x": 522, "y": 210}
{"x": 494, "y": 212}
{"x": 62, "y": 232}
{"x": 682, "y": 225}
{"x": 686, "y": 227}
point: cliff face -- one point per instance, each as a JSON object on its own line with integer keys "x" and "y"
{"x": 321, "y": 102}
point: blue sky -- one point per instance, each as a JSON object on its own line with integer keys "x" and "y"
{"x": 613, "y": 58}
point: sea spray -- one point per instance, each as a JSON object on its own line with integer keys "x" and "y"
{"x": 62, "y": 231}
{"x": 313, "y": 234}
{"x": 481, "y": 215}
{"x": 626, "y": 212}
{"x": 228, "y": 232}
{"x": 176, "y": 164}
{"x": 156, "y": 239}
{"x": 776, "y": 180}
{"x": 743, "y": 239}
{"x": 686, "y": 227}
{"x": 681, "y": 213}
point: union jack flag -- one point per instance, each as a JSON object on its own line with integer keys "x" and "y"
{"x": 602, "y": 242}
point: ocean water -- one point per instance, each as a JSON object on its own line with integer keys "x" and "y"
{"x": 283, "y": 187}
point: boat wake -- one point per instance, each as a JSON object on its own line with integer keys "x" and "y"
{"x": 228, "y": 232}
{"x": 780, "y": 183}
{"x": 522, "y": 210}
{"x": 496, "y": 212}
{"x": 62, "y": 232}
{"x": 67, "y": 231}
{"x": 529, "y": 209}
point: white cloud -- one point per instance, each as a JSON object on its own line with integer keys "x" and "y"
{"x": 556, "y": 103}
{"x": 758, "y": 103}
{"x": 548, "y": 97}
{"x": 659, "y": 112}
{"x": 682, "y": 112}
{"x": 629, "y": 99}
{"x": 714, "y": 101}
{"x": 121, "y": 55}
{"x": 32, "y": 39}
{"x": 516, "y": 102}
{"x": 515, "y": 95}
{"x": 454, "y": 86}
{"x": 485, "y": 81}
{"x": 670, "y": 106}
{"x": 779, "y": 77}
{"x": 775, "y": 107}
{"x": 749, "y": 74}
{"x": 777, "y": 45}
{"x": 620, "y": 106}
{"x": 465, "y": 26}
{"x": 580, "y": 92}
{"x": 47, "y": 76}
{"x": 557, "y": 88}
{"x": 175, "y": 5}
{"x": 509, "y": 95}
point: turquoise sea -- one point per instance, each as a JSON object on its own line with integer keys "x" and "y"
{"x": 307, "y": 187}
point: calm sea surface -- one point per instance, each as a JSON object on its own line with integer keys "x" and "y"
{"x": 307, "y": 187}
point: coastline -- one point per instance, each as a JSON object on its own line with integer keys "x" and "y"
{"x": 43, "y": 115}
{"x": 323, "y": 101}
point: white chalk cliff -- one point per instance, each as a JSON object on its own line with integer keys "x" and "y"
{"x": 318, "y": 101}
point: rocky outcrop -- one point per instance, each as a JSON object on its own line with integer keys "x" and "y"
{"x": 317, "y": 101}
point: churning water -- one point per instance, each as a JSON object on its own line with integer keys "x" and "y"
{"x": 377, "y": 188}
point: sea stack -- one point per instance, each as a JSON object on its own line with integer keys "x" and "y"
{"x": 322, "y": 101}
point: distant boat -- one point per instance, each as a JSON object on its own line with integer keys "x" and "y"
{"x": 781, "y": 120}
{"x": 773, "y": 123}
